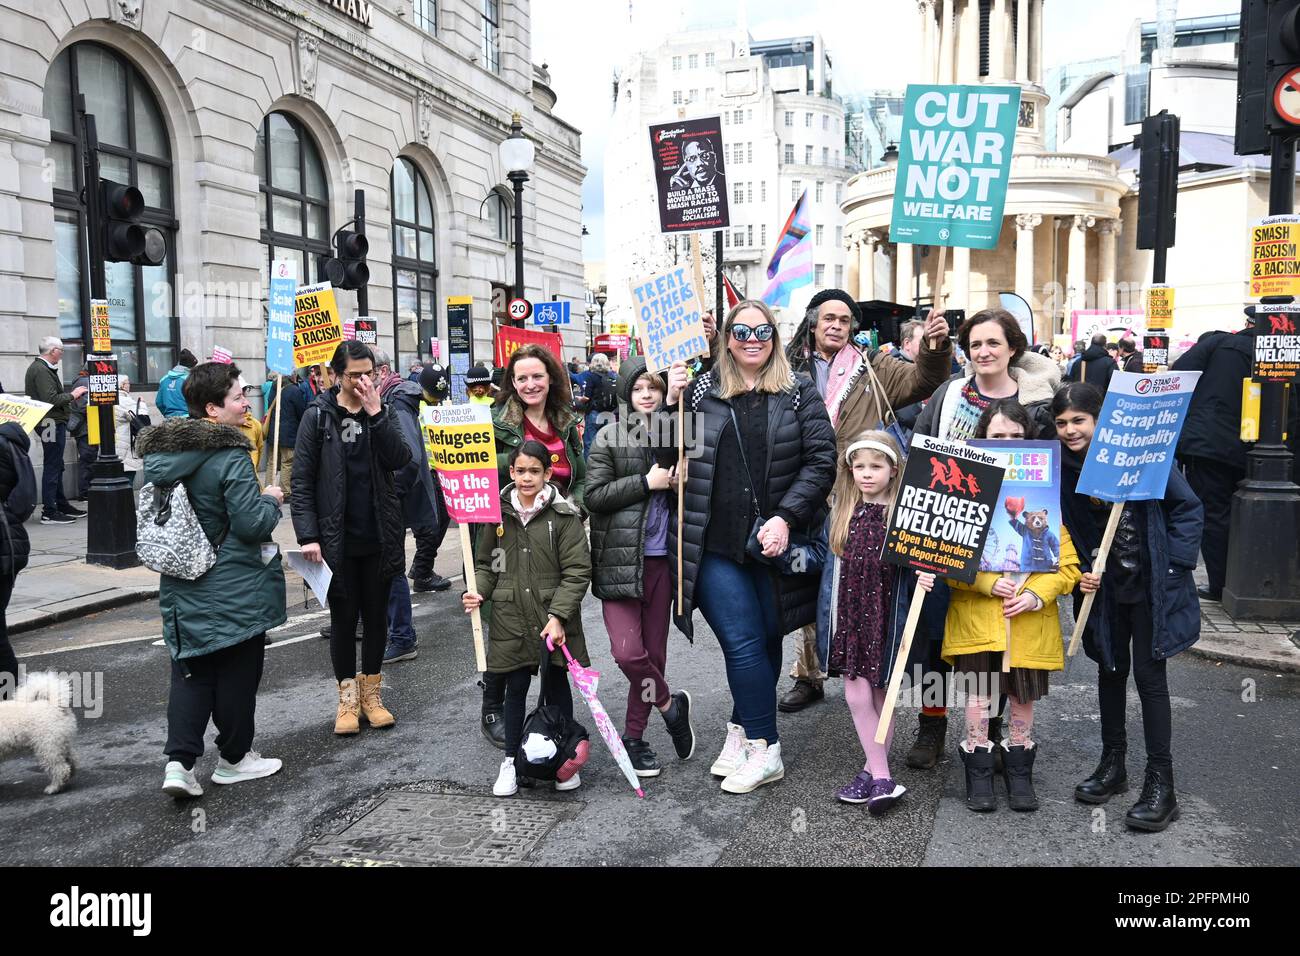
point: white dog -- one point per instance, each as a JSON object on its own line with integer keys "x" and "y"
{"x": 41, "y": 720}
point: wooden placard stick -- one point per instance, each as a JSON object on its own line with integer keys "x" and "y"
{"x": 275, "y": 439}
{"x": 938, "y": 277}
{"x": 1020, "y": 578}
{"x": 471, "y": 585}
{"x": 1098, "y": 567}
{"x": 900, "y": 662}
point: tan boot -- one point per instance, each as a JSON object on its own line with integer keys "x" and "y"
{"x": 372, "y": 708}
{"x": 347, "y": 722}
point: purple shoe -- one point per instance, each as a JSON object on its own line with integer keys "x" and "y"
{"x": 883, "y": 795}
{"x": 856, "y": 791}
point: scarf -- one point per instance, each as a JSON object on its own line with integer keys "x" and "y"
{"x": 389, "y": 382}
{"x": 838, "y": 377}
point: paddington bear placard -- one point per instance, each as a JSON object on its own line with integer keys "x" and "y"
{"x": 1025, "y": 533}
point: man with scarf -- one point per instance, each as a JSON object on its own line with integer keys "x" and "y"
{"x": 859, "y": 389}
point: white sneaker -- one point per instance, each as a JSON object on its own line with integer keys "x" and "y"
{"x": 507, "y": 784}
{"x": 733, "y": 752}
{"x": 179, "y": 782}
{"x": 252, "y": 767}
{"x": 762, "y": 765}
{"x": 573, "y": 783}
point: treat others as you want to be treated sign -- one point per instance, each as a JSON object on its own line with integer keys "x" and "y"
{"x": 954, "y": 163}
{"x": 669, "y": 318}
{"x": 462, "y": 449}
{"x": 687, "y": 157}
{"x": 317, "y": 330}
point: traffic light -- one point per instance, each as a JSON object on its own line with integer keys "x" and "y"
{"x": 124, "y": 238}
{"x": 1158, "y": 181}
{"x": 348, "y": 269}
{"x": 1282, "y": 94}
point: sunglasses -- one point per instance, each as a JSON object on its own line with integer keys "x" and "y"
{"x": 762, "y": 333}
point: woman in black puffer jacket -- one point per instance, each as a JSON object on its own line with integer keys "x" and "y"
{"x": 628, "y": 497}
{"x": 749, "y": 415}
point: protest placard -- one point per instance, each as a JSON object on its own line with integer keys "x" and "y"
{"x": 224, "y": 356}
{"x": 1277, "y": 344}
{"x": 1114, "y": 323}
{"x": 102, "y": 382}
{"x": 279, "y": 310}
{"x": 1132, "y": 452}
{"x": 1155, "y": 352}
{"x": 317, "y": 330}
{"x": 349, "y": 330}
{"x": 366, "y": 330}
{"x": 462, "y": 449}
{"x": 100, "y": 334}
{"x": 1160, "y": 307}
{"x": 688, "y": 157}
{"x": 27, "y": 412}
{"x": 669, "y": 318}
{"x": 1275, "y": 256}
{"x": 1025, "y": 535}
{"x": 954, "y": 163}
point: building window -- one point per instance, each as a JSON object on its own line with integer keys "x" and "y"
{"x": 789, "y": 118}
{"x": 789, "y": 153}
{"x": 819, "y": 234}
{"x": 819, "y": 275}
{"x": 826, "y": 121}
{"x": 738, "y": 193}
{"x": 807, "y": 155}
{"x": 985, "y": 14}
{"x": 796, "y": 187}
{"x": 424, "y": 14}
{"x": 749, "y": 116}
{"x": 839, "y": 277}
{"x": 709, "y": 59}
{"x": 693, "y": 96}
{"x": 749, "y": 235}
{"x": 749, "y": 192}
{"x": 492, "y": 35}
{"x": 677, "y": 63}
{"x": 820, "y": 187}
{"x": 762, "y": 191}
{"x": 414, "y": 264}
{"x": 839, "y": 193}
{"x": 135, "y": 150}
{"x": 837, "y": 157}
{"x": 677, "y": 97}
{"x": 294, "y": 207}
{"x": 749, "y": 152}
{"x": 499, "y": 216}
{"x": 739, "y": 239}
{"x": 826, "y": 155}
{"x": 708, "y": 94}
{"x": 726, "y": 235}
{"x": 839, "y": 236}
{"x": 807, "y": 120}
{"x": 762, "y": 235}
{"x": 736, "y": 117}
{"x": 693, "y": 61}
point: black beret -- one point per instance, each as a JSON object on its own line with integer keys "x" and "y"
{"x": 837, "y": 295}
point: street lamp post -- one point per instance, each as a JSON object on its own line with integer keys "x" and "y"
{"x": 517, "y": 154}
{"x": 591, "y": 315}
{"x": 601, "y": 299}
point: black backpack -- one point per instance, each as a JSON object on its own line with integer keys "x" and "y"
{"x": 604, "y": 395}
{"x": 547, "y": 723}
{"x": 23, "y": 498}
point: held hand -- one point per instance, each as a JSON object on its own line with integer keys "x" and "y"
{"x": 1004, "y": 588}
{"x": 674, "y": 479}
{"x": 470, "y": 601}
{"x": 936, "y": 328}
{"x": 79, "y": 391}
{"x": 676, "y": 382}
{"x": 925, "y": 580}
{"x": 369, "y": 396}
{"x": 1089, "y": 581}
{"x": 1025, "y": 601}
{"x": 774, "y": 536}
{"x": 658, "y": 478}
{"x": 554, "y": 632}
{"x": 276, "y": 492}
{"x": 312, "y": 553}
{"x": 710, "y": 325}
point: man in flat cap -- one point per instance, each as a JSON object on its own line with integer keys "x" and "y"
{"x": 859, "y": 389}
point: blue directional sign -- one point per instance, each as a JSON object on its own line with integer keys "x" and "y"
{"x": 551, "y": 313}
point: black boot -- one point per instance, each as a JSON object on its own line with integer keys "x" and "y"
{"x": 930, "y": 738}
{"x": 1110, "y": 778}
{"x": 979, "y": 779}
{"x": 804, "y": 693}
{"x": 995, "y": 735}
{"x": 1157, "y": 807}
{"x": 1019, "y": 777}
{"x": 493, "y": 726}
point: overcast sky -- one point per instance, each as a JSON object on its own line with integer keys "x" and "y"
{"x": 872, "y": 46}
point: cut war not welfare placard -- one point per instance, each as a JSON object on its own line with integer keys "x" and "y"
{"x": 954, "y": 163}
{"x": 462, "y": 449}
{"x": 669, "y": 319}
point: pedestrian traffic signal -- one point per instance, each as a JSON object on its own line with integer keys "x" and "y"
{"x": 1282, "y": 115}
{"x": 124, "y": 238}
{"x": 1158, "y": 180}
{"x": 348, "y": 269}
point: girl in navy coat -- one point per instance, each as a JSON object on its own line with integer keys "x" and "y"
{"x": 1147, "y": 610}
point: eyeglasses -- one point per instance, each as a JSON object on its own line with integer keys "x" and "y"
{"x": 358, "y": 376}
{"x": 763, "y": 333}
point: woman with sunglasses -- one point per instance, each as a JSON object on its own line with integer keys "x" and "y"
{"x": 761, "y": 461}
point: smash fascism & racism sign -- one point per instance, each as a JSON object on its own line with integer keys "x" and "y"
{"x": 944, "y": 506}
{"x": 317, "y": 330}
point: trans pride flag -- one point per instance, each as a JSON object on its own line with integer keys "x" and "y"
{"x": 792, "y": 259}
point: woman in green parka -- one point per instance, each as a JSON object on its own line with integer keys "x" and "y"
{"x": 535, "y": 570}
{"x": 535, "y": 402}
{"x": 215, "y": 625}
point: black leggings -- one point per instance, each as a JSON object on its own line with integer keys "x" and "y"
{"x": 221, "y": 686}
{"x": 365, "y": 597}
{"x": 1132, "y": 624}
{"x": 516, "y": 687}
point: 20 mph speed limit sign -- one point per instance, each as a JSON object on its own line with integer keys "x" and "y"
{"x": 1286, "y": 97}
{"x": 519, "y": 309}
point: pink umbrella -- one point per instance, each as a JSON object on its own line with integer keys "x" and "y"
{"x": 586, "y": 679}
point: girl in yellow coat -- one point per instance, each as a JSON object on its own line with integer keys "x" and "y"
{"x": 980, "y": 618}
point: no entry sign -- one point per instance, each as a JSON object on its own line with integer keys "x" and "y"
{"x": 1286, "y": 97}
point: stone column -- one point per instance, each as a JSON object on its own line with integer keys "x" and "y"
{"x": 928, "y": 64}
{"x": 1077, "y": 268}
{"x": 1022, "y": 40}
{"x": 1036, "y": 44}
{"x": 1026, "y": 223}
{"x": 998, "y": 22}
{"x": 904, "y": 286}
{"x": 947, "y": 44}
{"x": 867, "y": 243}
{"x": 851, "y": 278}
{"x": 968, "y": 43}
{"x": 1108, "y": 230}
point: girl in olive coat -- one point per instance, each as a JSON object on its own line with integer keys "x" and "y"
{"x": 535, "y": 571}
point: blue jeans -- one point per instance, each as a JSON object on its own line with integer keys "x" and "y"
{"x": 739, "y": 603}
{"x": 591, "y": 425}
{"x": 53, "y": 500}
{"x": 400, "y": 628}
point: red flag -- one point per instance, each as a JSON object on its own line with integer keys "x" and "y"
{"x": 510, "y": 338}
{"x": 733, "y": 297}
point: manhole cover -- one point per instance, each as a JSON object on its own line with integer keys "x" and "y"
{"x": 438, "y": 829}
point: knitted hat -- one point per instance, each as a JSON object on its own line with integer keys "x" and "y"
{"x": 478, "y": 375}
{"x": 434, "y": 381}
{"x": 837, "y": 295}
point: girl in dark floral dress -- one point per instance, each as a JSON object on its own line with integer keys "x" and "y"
{"x": 859, "y": 619}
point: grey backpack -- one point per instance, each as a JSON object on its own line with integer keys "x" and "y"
{"x": 168, "y": 537}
